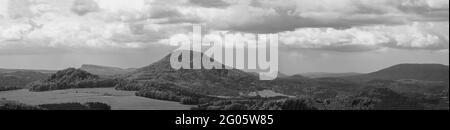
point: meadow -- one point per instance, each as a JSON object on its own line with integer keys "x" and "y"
{"x": 118, "y": 100}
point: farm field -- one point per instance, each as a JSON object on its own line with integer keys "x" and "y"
{"x": 118, "y": 100}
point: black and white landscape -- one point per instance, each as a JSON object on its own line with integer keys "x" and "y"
{"x": 158, "y": 86}
{"x": 115, "y": 55}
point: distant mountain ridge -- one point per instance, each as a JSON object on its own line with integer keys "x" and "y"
{"x": 105, "y": 70}
{"x": 425, "y": 72}
{"x": 3, "y": 70}
{"x": 329, "y": 75}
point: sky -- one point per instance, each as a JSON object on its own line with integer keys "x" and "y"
{"x": 314, "y": 35}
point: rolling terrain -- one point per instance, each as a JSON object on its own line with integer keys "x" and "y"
{"x": 159, "y": 86}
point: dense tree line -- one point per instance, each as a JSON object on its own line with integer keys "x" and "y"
{"x": 61, "y": 106}
{"x": 160, "y": 95}
{"x": 131, "y": 85}
{"x": 8, "y": 88}
{"x": 164, "y": 90}
{"x": 9, "y": 105}
{"x": 170, "y": 92}
{"x": 136, "y": 85}
{"x": 76, "y": 106}
{"x": 184, "y": 97}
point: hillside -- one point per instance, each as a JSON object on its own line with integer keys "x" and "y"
{"x": 104, "y": 70}
{"x": 71, "y": 78}
{"x": 425, "y": 72}
{"x": 218, "y": 82}
{"x": 19, "y": 79}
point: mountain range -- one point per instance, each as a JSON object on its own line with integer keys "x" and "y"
{"x": 105, "y": 70}
{"x": 2, "y": 70}
{"x": 424, "y": 72}
{"x": 233, "y": 82}
{"x": 329, "y": 75}
{"x": 423, "y": 83}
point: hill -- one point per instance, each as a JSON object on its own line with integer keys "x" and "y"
{"x": 71, "y": 78}
{"x": 425, "y": 72}
{"x": 218, "y": 82}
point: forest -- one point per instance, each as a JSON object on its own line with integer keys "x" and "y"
{"x": 9, "y": 105}
{"x": 374, "y": 99}
{"x": 71, "y": 78}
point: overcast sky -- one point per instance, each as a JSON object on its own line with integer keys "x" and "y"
{"x": 315, "y": 35}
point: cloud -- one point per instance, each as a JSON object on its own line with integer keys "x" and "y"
{"x": 19, "y": 9}
{"x": 427, "y": 36}
{"x": 272, "y": 16}
{"x": 3, "y": 8}
{"x": 115, "y": 25}
{"x": 210, "y": 3}
{"x": 338, "y": 25}
{"x": 122, "y": 5}
{"x": 83, "y": 7}
{"x": 170, "y": 15}
{"x": 14, "y": 32}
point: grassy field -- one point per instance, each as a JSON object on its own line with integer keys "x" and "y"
{"x": 118, "y": 100}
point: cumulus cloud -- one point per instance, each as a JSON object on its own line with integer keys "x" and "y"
{"x": 118, "y": 24}
{"x": 284, "y": 15}
{"x": 411, "y": 36}
{"x": 122, "y": 5}
{"x": 19, "y": 9}
{"x": 13, "y": 31}
{"x": 3, "y": 8}
{"x": 82, "y": 7}
{"x": 339, "y": 25}
{"x": 210, "y": 3}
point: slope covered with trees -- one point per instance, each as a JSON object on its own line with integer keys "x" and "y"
{"x": 220, "y": 82}
{"x": 71, "y": 78}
